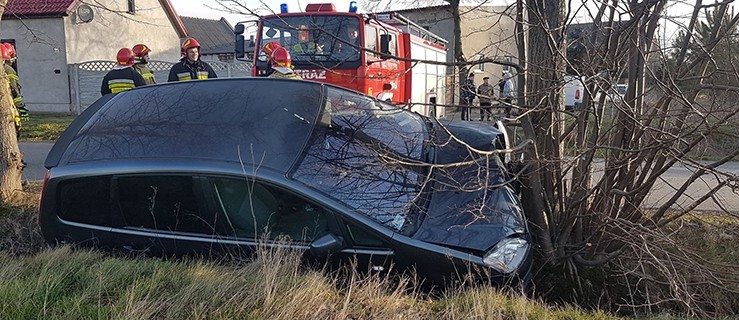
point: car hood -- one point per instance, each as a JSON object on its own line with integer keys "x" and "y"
{"x": 460, "y": 217}
{"x": 479, "y": 135}
{"x": 463, "y": 212}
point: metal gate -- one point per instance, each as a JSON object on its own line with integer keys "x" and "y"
{"x": 86, "y": 77}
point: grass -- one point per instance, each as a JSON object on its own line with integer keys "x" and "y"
{"x": 44, "y": 127}
{"x": 61, "y": 282}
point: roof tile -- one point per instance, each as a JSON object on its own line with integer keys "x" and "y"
{"x": 214, "y": 36}
{"x": 37, "y": 7}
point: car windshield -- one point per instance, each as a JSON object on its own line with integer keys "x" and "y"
{"x": 366, "y": 154}
{"x": 314, "y": 40}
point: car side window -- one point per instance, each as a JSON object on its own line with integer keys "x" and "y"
{"x": 166, "y": 203}
{"x": 362, "y": 238}
{"x": 85, "y": 200}
{"x": 253, "y": 209}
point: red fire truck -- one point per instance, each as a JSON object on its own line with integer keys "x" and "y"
{"x": 369, "y": 53}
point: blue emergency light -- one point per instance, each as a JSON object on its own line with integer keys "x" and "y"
{"x": 352, "y": 6}
{"x": 283, "y": 8}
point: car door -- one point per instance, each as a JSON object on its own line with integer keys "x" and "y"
{"x": 163, "y": 214}
{"x": 372, "y": 250}
{"x": 258, "y": 213}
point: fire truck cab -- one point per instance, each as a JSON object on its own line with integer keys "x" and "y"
{"x": 376, "y": 54}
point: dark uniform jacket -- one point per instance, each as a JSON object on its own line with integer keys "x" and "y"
{"x": 121, "y": 79}
{"x": 145, "y": 71}
{"x": 184, "y": 70}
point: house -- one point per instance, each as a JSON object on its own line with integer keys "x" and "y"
{"x": 53, "y": 36}
{"x": 216, "y": 38}
{"x": 487, "y": 32}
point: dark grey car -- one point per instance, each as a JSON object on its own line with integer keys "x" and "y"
{"x": 207, "y": 167}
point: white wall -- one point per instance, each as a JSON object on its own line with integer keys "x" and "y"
{"x": 42, "y": 63}
{"x": 109, "y": 31}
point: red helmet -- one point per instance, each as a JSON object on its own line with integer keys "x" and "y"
{"x": 4, "y": 52}
{"x": 190, "y": 43}
{"x": 281, "y": 58}
{"x": 11, "y": 50}
{"x": 125, "y": 57}
{"x": 270, "y": 47}
{"x": 140, "y": 50}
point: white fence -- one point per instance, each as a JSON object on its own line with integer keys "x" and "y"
{"x": 86, "y": 77}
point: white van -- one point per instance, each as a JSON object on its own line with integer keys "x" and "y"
{"x": 574, "y": 90}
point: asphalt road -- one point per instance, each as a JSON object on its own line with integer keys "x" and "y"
{"x": 35, "y": 154}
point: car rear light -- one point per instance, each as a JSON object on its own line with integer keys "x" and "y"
{"x": 43, "y": 191}
{"x": 577, "y": 94}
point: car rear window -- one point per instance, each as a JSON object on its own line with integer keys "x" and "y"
{"x": 85, "y": 200}
{"x": 262, "y": 121}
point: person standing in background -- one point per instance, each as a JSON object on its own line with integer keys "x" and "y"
{"x": 141, "y": 54}
{"x": 485, "y": 94}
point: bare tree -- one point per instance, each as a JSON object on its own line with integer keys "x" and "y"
{"x": 586, "y": 216}
{"x": 10, "y": 162}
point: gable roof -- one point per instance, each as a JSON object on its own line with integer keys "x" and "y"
{"x": 214, "y": 36}
{"x": 38, "y": 7}
{"x": 58, "y": 8}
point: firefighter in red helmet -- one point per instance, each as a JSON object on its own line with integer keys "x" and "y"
{"x": 268, "y": 49}
{"x": 123, "y": 77}
{"x": 8, "y": 53}
{"x": 141, "y": 54}
{"x": 282, "y": 65}
{"x": 190, "y": 66}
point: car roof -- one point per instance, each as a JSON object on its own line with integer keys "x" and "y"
{"x": 259, "y": 121}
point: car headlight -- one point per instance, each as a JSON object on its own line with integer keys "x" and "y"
{"x": 507, "y": 255}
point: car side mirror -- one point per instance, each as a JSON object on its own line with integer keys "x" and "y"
{"x": 326, "y": 245}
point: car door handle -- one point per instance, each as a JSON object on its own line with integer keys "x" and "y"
{"x": 135, "y": 250}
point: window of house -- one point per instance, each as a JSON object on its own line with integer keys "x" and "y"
{"x": 131, "y": 6}
{"x": 253, "y": 209}
{"x": 166, "y": 203}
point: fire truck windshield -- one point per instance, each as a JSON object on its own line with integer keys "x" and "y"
{"x": 320, "y": 40}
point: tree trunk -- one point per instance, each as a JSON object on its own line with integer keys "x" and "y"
{"x": 458, "y": 53}
{"x": 545, "y": 68}
{"x": 10, "y": 161}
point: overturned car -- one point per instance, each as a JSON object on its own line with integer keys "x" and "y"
{"x": 221, "y": 166}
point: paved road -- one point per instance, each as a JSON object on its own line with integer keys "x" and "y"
{"x": 35, "y": 154}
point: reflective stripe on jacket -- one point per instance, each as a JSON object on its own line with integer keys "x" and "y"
{"x": 145, "y": 72}
{"x": 284, "y": 73}
{"x": 121, "y": 79}
{"x": 184, "y": 70}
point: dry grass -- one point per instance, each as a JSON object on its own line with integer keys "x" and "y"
{"x": 42, "y": 282}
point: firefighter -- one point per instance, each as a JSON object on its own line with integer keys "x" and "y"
{"x": 19, "y": 111}
{"x": 305, "y": 45}
{"x": 282, "y": 65}
{"x": 190, "y": 66}
{"x": 123, "y": 77}
{"x": 268, "y": 49}
{"x": 141, "y": 53}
